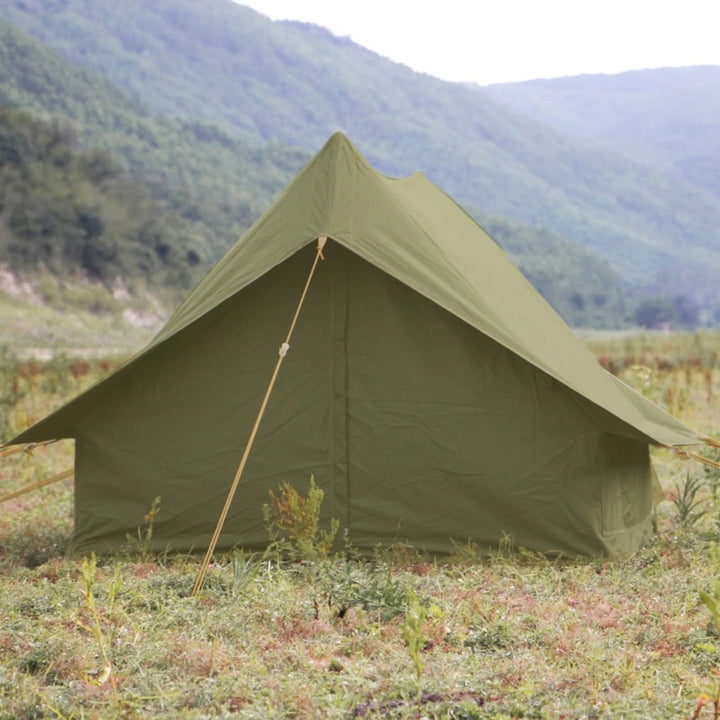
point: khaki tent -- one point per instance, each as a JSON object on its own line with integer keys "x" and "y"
{"x": 433, "y": 394}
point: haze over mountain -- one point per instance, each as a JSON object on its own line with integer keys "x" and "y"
{"x": 667, "y": 118}
{"x": 232, "y": 81}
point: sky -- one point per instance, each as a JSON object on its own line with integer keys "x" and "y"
{"x": 490, "y": 41}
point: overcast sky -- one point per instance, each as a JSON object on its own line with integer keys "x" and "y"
{"x": 487, "y": 41}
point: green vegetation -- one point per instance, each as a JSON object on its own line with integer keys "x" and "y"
{"x": 512, "y": 635}
{"x": 224, "y": 65}
{"x": 293, "y": 524}
{"x": 657, "y": 312}
{"x": 192, "y": 183}
{"x": 211, "y": 185}
{"x": 77, "y": 213}
{"x": 69, "y": 322}
{"x": 644, "y": 115}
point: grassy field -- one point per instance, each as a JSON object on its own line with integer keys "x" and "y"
{"x": 512, "y": 635}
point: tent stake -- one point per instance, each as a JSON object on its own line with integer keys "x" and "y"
{"x": 35, "y": 486}
{"x": 238, "y": 474}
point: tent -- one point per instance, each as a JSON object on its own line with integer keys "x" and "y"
{"x": 432, "y": 393}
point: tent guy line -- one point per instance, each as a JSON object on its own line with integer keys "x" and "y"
{"x": 24, "y": 448}
{"x": 35, "y": 486}
{"x": 199, "y": 581}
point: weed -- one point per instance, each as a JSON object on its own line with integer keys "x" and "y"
{"x": 467, "y": 552}
{"x": 115, "y": 586}
{"x": 142, "y": 544}
{"x": 346, "y": 584}
{"x": 293, "y": 523}
{"x": 488, "y": 638}
{"x": 412, "y": 631}
{"x": 686, "y": 501}
{"x": 244, "y": 570}
{"x": 88, "y": 573}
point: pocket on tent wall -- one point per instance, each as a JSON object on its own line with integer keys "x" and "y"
{"x": 627, "y": 493}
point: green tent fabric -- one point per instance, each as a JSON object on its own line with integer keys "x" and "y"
{"x": 433, "y": 394}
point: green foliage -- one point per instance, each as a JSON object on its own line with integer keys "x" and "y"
{"x": 374, "y": 588}
{"x": 9, "y": 388}
{"x": 62, "y": 213}
{"x": 640, "y": 114}
{"x": 483, "y": 638}
{"x": 412, "y": 632}
{"x": 195, "y": 186}
{"x": 656, "y": 312}
{"x": 88, "y": 572}
{"x": 141, "y": 544}
{"x": 293, "y": 523}
{"x": 244, "y": 570}
{"x": 229, "y": 74}
{"x": 686, "y": 501}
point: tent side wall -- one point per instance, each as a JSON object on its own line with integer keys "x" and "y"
{"x": 450, "y": 434}
{"x": 418, "y": 428}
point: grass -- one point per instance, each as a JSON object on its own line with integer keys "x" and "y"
{"x": 512, "y": 635}
{"x": 39, "y": 328}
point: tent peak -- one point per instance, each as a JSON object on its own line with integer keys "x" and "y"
{"x": 339, "y": 138}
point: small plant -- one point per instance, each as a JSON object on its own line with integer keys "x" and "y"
{"x": 293, "y": 523}
{"x": 412, "y": 630}
{"x": 488, "y": 638}
{"x": 115, "y": 586}
{"x": 142, "y": 544}
{"x": 88, "y": 573}
{"x": 686, "y": 501}
{"x": 244, "y": 570}
{"x": 348, "y": 584}
{"x": 468, "y": 552}
{"x": 704, "y": 700}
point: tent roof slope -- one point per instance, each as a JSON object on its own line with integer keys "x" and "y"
{"x": 416, "y": 233}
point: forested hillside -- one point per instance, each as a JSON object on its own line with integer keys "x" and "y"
{"x": 667, "y": 118}
{"x": 295, "y": 84}
{"x": 217, "y": 183}
{"x": 195, "y": 184}
{"x": 77, "y": 213}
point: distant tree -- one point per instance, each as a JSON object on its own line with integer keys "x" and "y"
{"x": 655, "y": 312}
{"x": 687, "y": 311}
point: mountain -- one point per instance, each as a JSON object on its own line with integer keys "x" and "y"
{"x": 666, "y": 118}
{"x": 217, "y": 183}
{"x": 294, "y": 84}
{"x": 123, "y": 194}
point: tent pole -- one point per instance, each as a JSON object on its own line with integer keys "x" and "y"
{"x": 281, "y": 355}
{"x": 35, "y": 486}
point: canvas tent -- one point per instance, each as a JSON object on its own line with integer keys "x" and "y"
{"x": 430, "y": 390}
